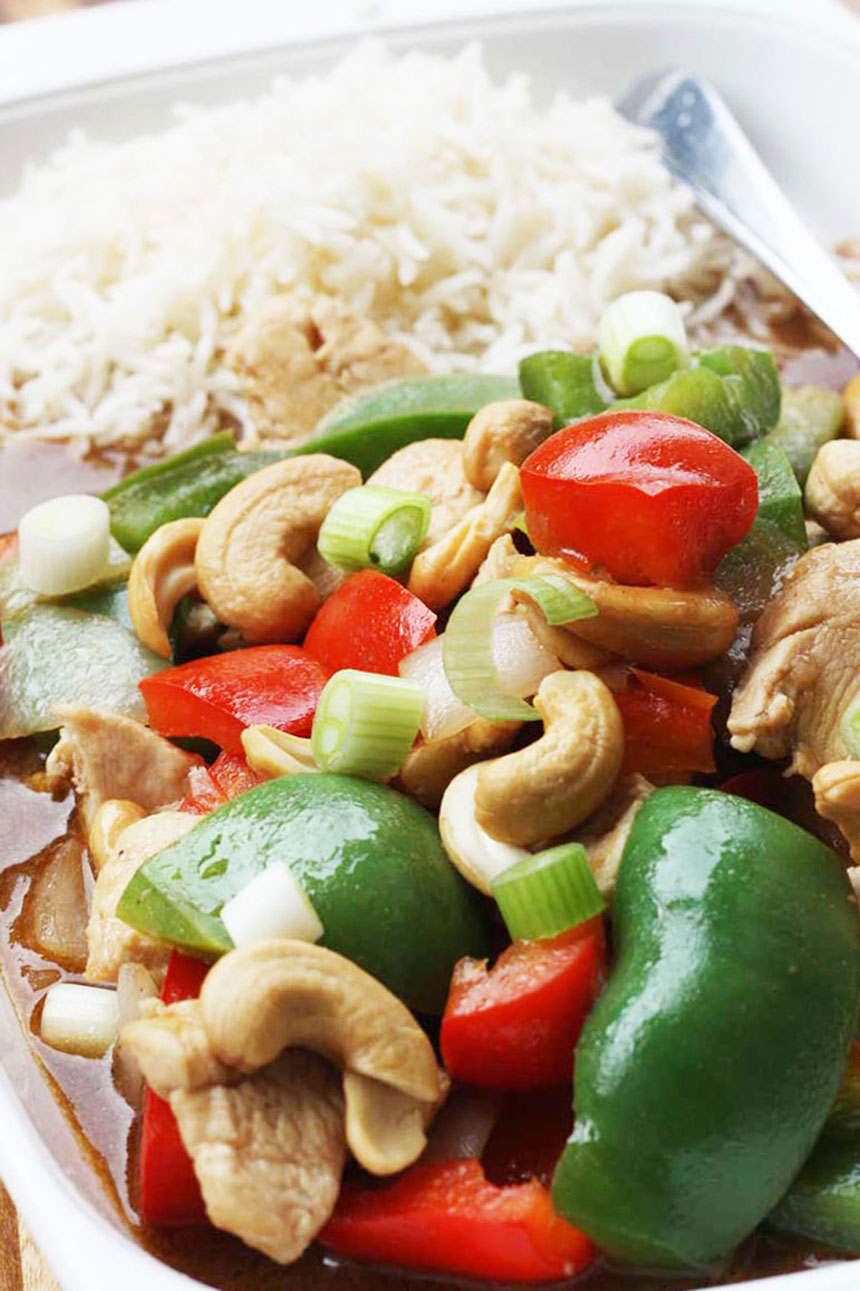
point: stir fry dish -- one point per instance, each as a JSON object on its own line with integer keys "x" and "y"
{"x": 462, "y": 807}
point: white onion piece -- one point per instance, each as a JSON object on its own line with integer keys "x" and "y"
{"x": 80, "y": 1019}
{"x": 444, "y": 714}
{"x": 134, "y": 985}
{"x": 274, "y": 904}
{"x": 463, "y": 1127}
{"x": 64, "y": 544}
{"x": 521, "y": 661}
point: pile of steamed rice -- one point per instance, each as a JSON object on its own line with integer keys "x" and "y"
{"x": 453, "y": 210}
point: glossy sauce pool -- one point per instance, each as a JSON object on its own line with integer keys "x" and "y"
{"x": 38, "y": 831}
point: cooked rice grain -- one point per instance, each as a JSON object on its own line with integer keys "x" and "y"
{"x": 458, "y": 214}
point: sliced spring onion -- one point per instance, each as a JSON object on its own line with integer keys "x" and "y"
{"x": 64, "y": 543}
{"x": 444, "y": 714}
{"x": 80, "y": 1019}
{"x": 479, "y": 857}
{"x": 273, "y": 904}
{"x": 275, "y": 753}
{"x": 468, "y": 642}
{"x": 365, "y": 723}
{"x": 547, "y": 893}
{"x": 375, "y": 527}
{"x": 642, "y": 340}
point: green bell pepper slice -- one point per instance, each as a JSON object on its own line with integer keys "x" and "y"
{"x": 366, "y": 428}
{"x": 370, "y": 859}
{"x": 185, "y": 484}
{"x": 563, "y": 381}
{"x": 55, "y": 654}
{"x": 822, "y": 1206}
{"x": 779, "y": 497}
{"x": 708, "y": 1066}
{"x": 811, "y": 416}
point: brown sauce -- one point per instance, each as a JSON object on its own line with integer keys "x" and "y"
{"x": 33, "y": 825}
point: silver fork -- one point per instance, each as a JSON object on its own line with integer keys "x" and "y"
{"x": 704, "y": 146}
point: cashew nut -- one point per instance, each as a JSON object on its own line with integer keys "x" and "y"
{"x": 252, "y": 545}
{"x": 161, "y": 574}
{"x": 385, "y": 1128}
{"x": 832, "y": 493}
{"x": 653, "y": 626}
{"x": 504, "y": 431}
{"x": 549, "y": 787}
{"x": 837, "y": 797}
{"x": 430, "y": 768}
{"x": 472, "y": 851}
{"x": 851, "y": 399}
{"x": 443, "y": 571}
{"x": 275, "y": 753}
{"x": 111, "y": 818}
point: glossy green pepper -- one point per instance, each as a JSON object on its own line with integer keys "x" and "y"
{"x": 370, "y": 859}
{"x": 564, "y": 382}
{"x": 811, "y": 416}
{"x": 708, "y": 1066}
{"x": 823, "y": 1203}
{"x": 367, "y": 427}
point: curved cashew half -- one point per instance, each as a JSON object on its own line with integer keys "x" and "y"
{"x": 252, "y": 544}
{"x": 443, "y": 571}
{"x": 430, "y": 768}
{"x": 832, "y": 493}
{"x": 549, "y": 787}
{"x": 653, "y": 626}
{"x": 275, "y": 753}
{"x": 161, "y": 574}
{"x": 111, "y": 818}
{"x": 277, "y": 995}
{"x": 504, "y": 431}
{"x": 471, "y": 850}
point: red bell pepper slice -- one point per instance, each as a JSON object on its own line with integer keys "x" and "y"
{"x": 169, "y": 1192}
{"x": 515, "y": 1026}
{"x": 211, "y": 787}
{"x": 448, "y": 1218}
{"x": 370, "y": 623}
{"x": 217, "y": 697}
{"x": 643, "y": 496}
{"x": 667, "y": 725}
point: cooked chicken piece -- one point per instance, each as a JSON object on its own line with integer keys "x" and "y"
{"x": 112, "y": 942}
{"x": 173, "y": 1049}
{"x": 434, "y": 467}
{"x": 604, "y": 835}
{"x": 108, "y": 756}
{"x": 298, "y": 357}
{"x": 804, "y": 669}
{"x": 430, "y": 768}
{"x": 498, "y": 562}
{"x": 837, "y": 797}
{"x": 268, "y": 1152}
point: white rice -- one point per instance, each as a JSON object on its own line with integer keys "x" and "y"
{"x": 452, "y": 210}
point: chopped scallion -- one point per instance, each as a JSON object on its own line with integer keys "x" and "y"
{"x": 375, "y": 528}
{"x": 80, "y": 1019}
{"x": 849, "y": 729}
{"x": 366, "y": 723}
{"x": 545, "y": 894}
{"x": 642, "y": 340}
{"x": 467, "y": 651}
{"x": 64, "y": 544}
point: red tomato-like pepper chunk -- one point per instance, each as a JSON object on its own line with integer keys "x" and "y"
{"x": 217, "y": 697}
{"x": 370, "y": 623}
{"x": 644, "y": 496}
{"x": 515, "y": 1025}
{"x": 211, "y": 787}
{"x": 169, "y": 1192}
{"x": 667, "y": 725}
{"x": 448, "y": 1218}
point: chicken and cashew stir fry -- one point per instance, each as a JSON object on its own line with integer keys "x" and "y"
{"x": 475, "y": 745}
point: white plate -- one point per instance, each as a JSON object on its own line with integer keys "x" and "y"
{"x": 795, "y": 87}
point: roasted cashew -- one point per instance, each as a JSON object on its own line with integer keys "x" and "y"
{"x": 832, "y": 493}
{"x": 653, "y": 626}
{"x": 471, "y": 850}
{"x": 111, "y": 818}
{"x": 430, "y": 768}
{"x": 277, "y": 995}
{"x": 837, "y": 797}
{"x": 851, "y": 399}
{"x": 551, "y": 786}
{"x": 161, "y": 574}
{"x": 275, "y": 753}
{"x": 504, "y": 431}
{"x": 444, "y": 570}
{"x": 252, "y": 544}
